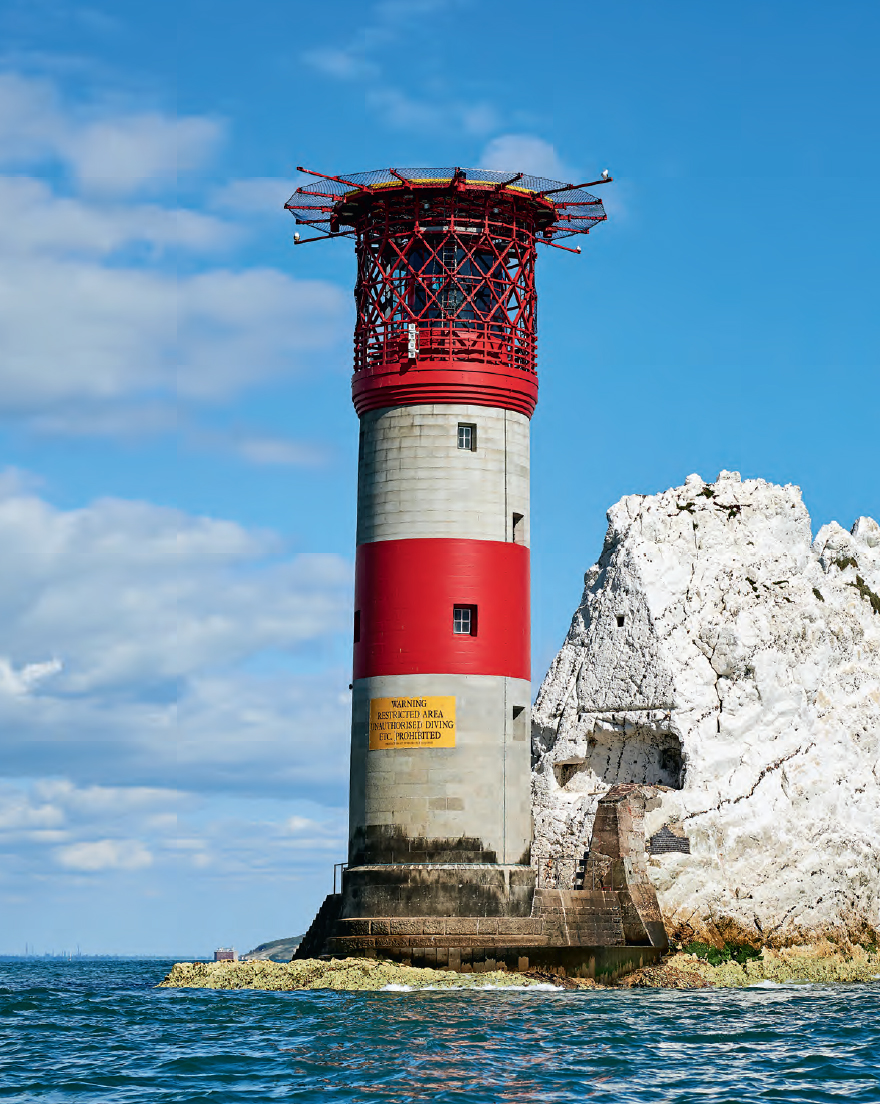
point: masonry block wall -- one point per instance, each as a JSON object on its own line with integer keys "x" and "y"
{"x": 442, "y": 526}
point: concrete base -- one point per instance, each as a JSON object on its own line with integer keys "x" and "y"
{"x": 478, "y": 953}
{"x": 437, "y": 889}
{"x": 472, "y": 916}
{"x": 581, "y": 932}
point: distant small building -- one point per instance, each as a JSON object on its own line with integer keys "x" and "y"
{"x": 225, "y": 954}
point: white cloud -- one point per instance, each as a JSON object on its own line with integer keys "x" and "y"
{"x": 112, "y": 154}
{"x": 387, "y": 23}
{"x": 436, "y": 114}
{"x": 87, "y": 860}
{"x": 38, "y": 222}
{"x": 389, "y": 27}
{"x": 127, "y": 153}
{"x": 126, "y": 590}
{"x": 161, "y": 621}
{"x": 528, "y": 154}
{"x": 56, "y": 803}
{"x": 16, "y": 481}
{"x": 125, "y": 420}
{"x": 72, "y": 331}
{"x": 31, "y": 122}
{"x": 279, "y": 451}
{"x": 106, "y": 854}
{"x": 91, "y": 802}
{"x": 351, "y": 60}
{"x": 343, "y": 63}
{"x": 95, "y": 318}
{"x": 272, "y": 735}
{"x": 51, "y": 822}
{"x": 17, "y": 813}
{"x": 262, "y": 195}
{"x": 235, "y": 328}
{"x": 23, "y": 681}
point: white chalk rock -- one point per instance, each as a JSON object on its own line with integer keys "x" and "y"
{"x": 720, "y": 652}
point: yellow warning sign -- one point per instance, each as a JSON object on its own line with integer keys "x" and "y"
{"x": 411, "y": 723}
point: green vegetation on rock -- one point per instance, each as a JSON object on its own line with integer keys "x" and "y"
{"x": 866, "y": 592}
{"x": 823, "y": 964}
{"x": 715, "y": 956}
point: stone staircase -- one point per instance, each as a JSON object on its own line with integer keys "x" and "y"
{"x": 314, "y": 942}
{"x": 576, "y": 918}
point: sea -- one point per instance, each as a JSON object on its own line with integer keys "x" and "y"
{"x": 89, "y": 1031}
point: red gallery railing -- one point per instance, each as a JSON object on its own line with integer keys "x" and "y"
{"x": 446, "y": 271}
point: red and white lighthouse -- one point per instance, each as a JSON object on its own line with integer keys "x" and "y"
{"x": 444, "y": 385}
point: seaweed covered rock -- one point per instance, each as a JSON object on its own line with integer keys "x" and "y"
{"x": 349, "y": 974}
{"x": 819, "y": 964}
{"x": 725, "y": 658}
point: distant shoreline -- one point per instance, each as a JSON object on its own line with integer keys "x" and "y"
{"x": 64, "y": 957}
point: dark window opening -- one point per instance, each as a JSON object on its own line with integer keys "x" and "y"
{"x": 464, "y": 620}
{"x": 620, "y": 620}
{"x": 520, "y": 717}
{"x": 454, "y": 282}
{"x": 467, "y": 436}
{"x": 566, "y": 771}
{"x": 519, "y": 528}
{"x": 357, "y": 626}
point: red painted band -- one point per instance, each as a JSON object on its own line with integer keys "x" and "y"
{"x": 432, "y": 381}
{"x": 405, "y": 591}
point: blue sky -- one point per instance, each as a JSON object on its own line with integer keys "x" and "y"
{"x": 177, "y": 471}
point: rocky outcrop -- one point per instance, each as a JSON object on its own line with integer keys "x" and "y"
{"x": 724, "y": 657}
{"x": 350, "y": 974}
{"x": 823, "y": 964}
{"x": 277, "y": 950}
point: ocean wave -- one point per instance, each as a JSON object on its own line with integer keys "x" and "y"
{"x": 541, "y": 987}
{"x": 97, "y": 1032}
{"x": 785, "y": 985}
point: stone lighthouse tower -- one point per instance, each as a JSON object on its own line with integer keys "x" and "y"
{"x": 444, "y": 385}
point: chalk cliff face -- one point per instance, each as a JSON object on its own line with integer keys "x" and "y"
{"x": 723, "y": 656}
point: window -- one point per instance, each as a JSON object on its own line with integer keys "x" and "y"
{"x": 357, "y": 626}
{"x": 464, "y": 620}
{"x": 518, "y": 528}
{"x": 467, "y": 436}
{"x": 620, "y": 620}
{"x": 520, "y": 717}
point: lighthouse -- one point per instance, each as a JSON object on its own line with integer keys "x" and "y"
{"x": 445, "y": 383}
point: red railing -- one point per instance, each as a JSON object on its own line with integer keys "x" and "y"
{"x": 449, "y": 344}
{"x": 459, "y": 267}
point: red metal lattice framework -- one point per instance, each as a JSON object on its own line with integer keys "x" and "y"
{"x": 446, "y": 260}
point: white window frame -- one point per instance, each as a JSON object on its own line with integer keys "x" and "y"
{"x": 463, "y": 616}
{"x": 471, "y": 446}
